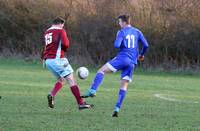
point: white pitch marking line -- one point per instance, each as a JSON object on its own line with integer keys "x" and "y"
{"x": 164, "y": 98}
{"x": 172, "y": 99}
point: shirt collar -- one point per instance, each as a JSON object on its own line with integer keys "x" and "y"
{"x": 54, "y": 27}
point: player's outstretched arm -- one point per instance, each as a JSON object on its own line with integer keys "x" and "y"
{"x": 42, "y": 58}
{"x": 65, "y": 40}
{"x": 145, "y": 45}
{"x": 42, "y": 53}
{"x": 118, "y": 39}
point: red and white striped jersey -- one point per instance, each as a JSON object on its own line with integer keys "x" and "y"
{"x": 56, "y": 43}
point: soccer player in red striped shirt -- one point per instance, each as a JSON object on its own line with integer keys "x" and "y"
{"x": 56, "y": 44}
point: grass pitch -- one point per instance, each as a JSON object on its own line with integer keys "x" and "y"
{"x": 154, "y": 102}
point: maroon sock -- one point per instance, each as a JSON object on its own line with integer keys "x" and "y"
{"x": 76, "y": 93}
{"x": 56, "y": 88}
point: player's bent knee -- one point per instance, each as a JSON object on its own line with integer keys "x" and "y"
{"x": 70, "y": 80}
{"x": 61, "y": 79}
{"x": 124, "y": 84}
{"x": 104, "y": 69}
{"x": 124, "y": 88}
{"x": 101, "y": 71}
{"x": 72, "y": 84}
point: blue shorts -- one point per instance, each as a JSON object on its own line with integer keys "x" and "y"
{"x": 59, "y": 67}
{"x": 124, "y": 64}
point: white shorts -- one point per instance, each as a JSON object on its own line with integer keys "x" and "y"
{"x": 59, "y": 67}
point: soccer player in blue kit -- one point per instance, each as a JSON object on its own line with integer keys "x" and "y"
{"x": 127, "y": 40}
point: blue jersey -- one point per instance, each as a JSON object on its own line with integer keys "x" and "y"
{"x": 127, "y": 41}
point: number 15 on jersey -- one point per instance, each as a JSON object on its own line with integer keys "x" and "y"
{"x": 48, "y": 38}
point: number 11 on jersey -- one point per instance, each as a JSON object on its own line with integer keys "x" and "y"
{"x": 131, "y": 41}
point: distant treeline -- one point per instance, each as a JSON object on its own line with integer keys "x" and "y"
{"x": 172, "y": 28}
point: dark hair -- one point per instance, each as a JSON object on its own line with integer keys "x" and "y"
{"x": 125, "y": 18}
{"x": 58, "y": 20}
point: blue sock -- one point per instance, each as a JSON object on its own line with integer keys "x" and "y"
{"x": 121, "y": 96}
{"x": 97, "y": 81}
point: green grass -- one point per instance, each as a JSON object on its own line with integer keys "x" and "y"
{"x": 23, "y": 106}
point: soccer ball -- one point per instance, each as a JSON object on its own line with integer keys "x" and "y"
{"x": 82, "y": 72}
